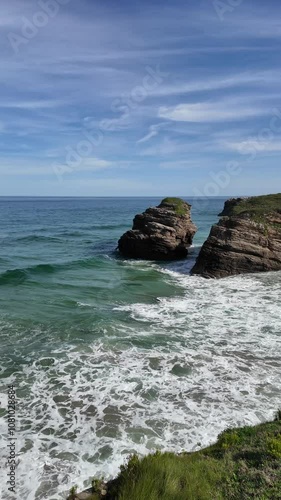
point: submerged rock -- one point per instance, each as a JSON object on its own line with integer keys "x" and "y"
{"x": 247, "y": 239}
{"x": 164, "y": 232}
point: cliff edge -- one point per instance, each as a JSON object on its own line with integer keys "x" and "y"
{"x": 247, "y": 239}
{"x": 244, "y": 463}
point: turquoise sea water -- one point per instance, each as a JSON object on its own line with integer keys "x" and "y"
{"x": 112, "y": 356}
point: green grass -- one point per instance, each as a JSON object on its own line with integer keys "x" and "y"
{"x": 244, "y": 463}
{"x": 180, "y": 205}
{"x": 258, "y": 207}
{"x": 166, "y": 476}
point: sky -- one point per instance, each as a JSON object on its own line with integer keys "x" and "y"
{"x": 140, "y": 98}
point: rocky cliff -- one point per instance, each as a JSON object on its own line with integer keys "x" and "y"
{"x": 247, "y": 239}
{"x": 164, "y": 232}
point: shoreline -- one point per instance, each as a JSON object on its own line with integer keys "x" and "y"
{"x": 244, "y": 462}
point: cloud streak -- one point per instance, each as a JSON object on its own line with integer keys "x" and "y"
{"x": 209, "y": 112}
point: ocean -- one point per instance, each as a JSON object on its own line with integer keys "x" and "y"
{"x": 111, "y": 356}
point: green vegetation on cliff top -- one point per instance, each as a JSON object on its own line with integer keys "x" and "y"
{"x": 257, "y": 206}
{"x": 265, "y": 210}
{"x": 244, "y": 463}
{"x": 180, "y": 205}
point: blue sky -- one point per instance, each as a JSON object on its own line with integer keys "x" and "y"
{"x": 140, "y": 98}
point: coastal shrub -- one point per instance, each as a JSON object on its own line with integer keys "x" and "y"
{"x": 274, "y": 446}
{"x": 277, "y": 416}
{"x": 72, "y": 492}
{"x": 228, "y": 438}
{"x": 131, "y": 467}
{"x": 178, "y": 203}
{"x": 97, "y": 485}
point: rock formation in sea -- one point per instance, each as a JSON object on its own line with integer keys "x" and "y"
{"x": 164, "y": 232}
{"x": 247, "y": 239}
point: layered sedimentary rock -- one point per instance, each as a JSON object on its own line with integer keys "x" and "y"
{"x": 247, "y": 239}
{"x": 164, "y": 232}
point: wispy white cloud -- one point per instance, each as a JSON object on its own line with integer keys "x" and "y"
{"x": 94, "y": 164}
{"x": 254, "y": 21}
{"x": 257, "y": 145}
{"x": 153, "y": 132}
{"x": 166, "y": 147}
{"x": 32, "y": 104}
{"x": 260, "y": 78}
{"x": 215, "y": 111}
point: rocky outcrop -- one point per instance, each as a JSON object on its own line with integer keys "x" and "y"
{"x": 247, "y": 239}
{"x": 164, "y": 232}
{"x": 231, "y": 205}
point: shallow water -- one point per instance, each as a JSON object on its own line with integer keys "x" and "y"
{"x": 112, "y": 356}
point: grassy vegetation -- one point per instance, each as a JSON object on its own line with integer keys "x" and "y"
{"x": 258, "y": 207}
{"x": 178, "y": 203}
{"x": 259, "y": 204}
{"x": 245, "y": 463}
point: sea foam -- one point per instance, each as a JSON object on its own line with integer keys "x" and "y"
{"x": 167, "y": 375}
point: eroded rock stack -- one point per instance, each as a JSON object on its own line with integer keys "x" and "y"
{"x": 164, "y": 232}
{"x": 247, "y": 239}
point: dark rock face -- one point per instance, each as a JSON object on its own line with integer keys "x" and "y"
{"x": 160, "y": 233}
{"x": 247, "y": 239}
{"x": 230, "y": 206}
